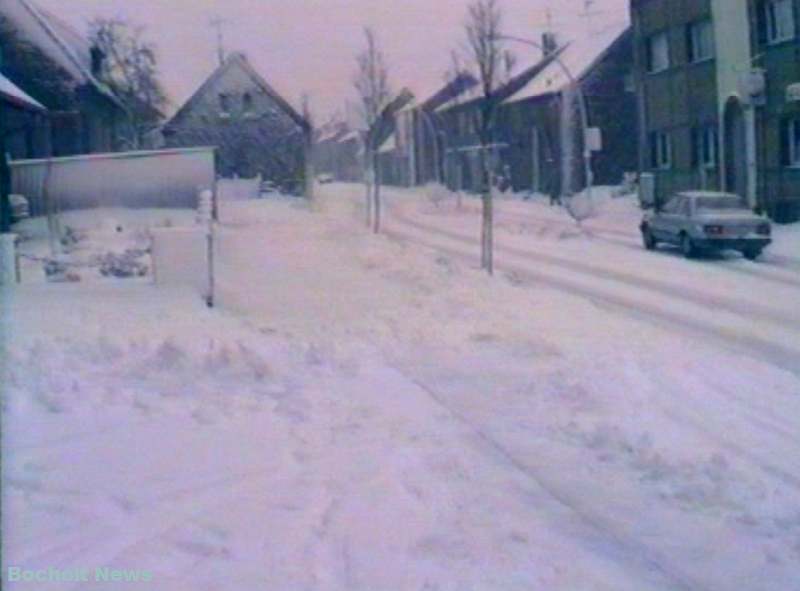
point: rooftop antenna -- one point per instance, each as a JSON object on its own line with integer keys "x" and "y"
{"x": 218, "y": 23}
{"x": 588, "y": 13}
{"x": 548, "y": 15}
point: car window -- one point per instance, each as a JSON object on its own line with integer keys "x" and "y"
{"x": 671, "y": 206}
{"x": 720, "y": 203}
{"x": 684, "y": 207}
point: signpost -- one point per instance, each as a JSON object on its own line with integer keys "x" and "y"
{"x": 793, "y": 93}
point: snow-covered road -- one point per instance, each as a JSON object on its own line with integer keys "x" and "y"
{"x": 375, "y": 413}
{"x": 735, "y": 304}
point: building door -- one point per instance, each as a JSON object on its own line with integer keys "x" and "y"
{"x": 735, "y": 148}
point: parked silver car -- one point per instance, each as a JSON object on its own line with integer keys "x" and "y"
{"x": 700, "y": 220}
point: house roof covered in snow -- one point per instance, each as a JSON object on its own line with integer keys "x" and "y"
{"x": 432, "y": 97}
{"x": 579, "y": 57}
{"x": 239, "y": 60}
{"x": 11, "y": 93}
{"x": 56, "y": 39}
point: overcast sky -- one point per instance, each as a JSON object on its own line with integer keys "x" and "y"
{"x": 308, "y": 46}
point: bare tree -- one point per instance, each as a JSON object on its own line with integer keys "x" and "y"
{"x": 129, "y": 67}
{"x": 308, "y": 134}
{"x": 483, "y": 29}
{"x": 371, "y": 82}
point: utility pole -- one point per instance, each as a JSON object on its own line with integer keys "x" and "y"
{"x": 218, "y": 23}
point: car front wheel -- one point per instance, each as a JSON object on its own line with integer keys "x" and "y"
{"x": 687, "y": 246}
{"x": 648, "y": 239}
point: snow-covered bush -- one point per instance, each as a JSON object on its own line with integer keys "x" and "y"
{"x": 127, "y": 264}
{"x": 438, "y": 194}
{"x": 59, "y": 270}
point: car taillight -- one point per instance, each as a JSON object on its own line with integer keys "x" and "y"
{"x": 713, "y": 230}
{"x": 764, "y": 229}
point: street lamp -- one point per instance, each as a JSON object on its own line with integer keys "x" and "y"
{"x": 582, "y": 106}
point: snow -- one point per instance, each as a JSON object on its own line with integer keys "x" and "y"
{"x": 9, "y": 89}
{"x": 373, "y": 412}
{"x": 93, "y": 234}
{"x": 578, "y": 57}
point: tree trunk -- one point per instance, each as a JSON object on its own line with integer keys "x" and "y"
{"x": 377, "y": 192}
{"x": 487, "y": 237}
{"x": 308, "y": 173}
{"x": 368, "y": 188}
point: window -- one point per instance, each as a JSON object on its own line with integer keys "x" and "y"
{"x": 224, "y": 104}
{"x": 657, "y": 53}
{"x": 700, "y": 40}
{"x": 779, "y": 16}
{"x": 247, "y": 103}
{"x": 721, "y": 203}
{"x": 705, "y": 143}
{"x": 660, "y": 150}
{"x": 791, "y": 142}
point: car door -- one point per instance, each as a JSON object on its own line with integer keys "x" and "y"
{"x": 664, "y": 223}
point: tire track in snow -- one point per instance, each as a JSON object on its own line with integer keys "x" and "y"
{"x": 634, "y": 552}
{"x": 754, "y": 346}
{"x": 633, "y": 242}
{"x": 166, "y": 517}
{"x": 745, "y": 310}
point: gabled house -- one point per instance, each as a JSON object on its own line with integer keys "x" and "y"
{"x": 420, "y": 140}
{"x": 540, "y": 121}
{"x": 459, "y": 119}
{"x": 24, "y": 133}
{"x": 256, "y": 131}
{"x": 48, "y": 60}
{"x": 25, "y": 126}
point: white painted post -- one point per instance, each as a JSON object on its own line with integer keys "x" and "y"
{"x": 205, "y": 215}
{"x": 9, "y": 264}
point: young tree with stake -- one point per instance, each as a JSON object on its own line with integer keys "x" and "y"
{"x": 371, "y": 82}
{"x": 484, "y": 39}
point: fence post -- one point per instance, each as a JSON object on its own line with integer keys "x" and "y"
{"x": 205, "y": 209}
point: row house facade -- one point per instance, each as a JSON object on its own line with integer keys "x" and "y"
{"x": 717, "y": 98}
{"x": 538, "y": 145}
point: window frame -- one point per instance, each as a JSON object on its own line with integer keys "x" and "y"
{"x": 792, "y": 130}
{"x": 661, "y": 150}
{"x": 706, "y": 143}
{"x": 694, "y": 31}
{"x": 649, "y": 45}
{"x": 773, "y": 22}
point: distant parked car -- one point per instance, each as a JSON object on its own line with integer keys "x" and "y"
{"x": 697, "y": 221}
{"x": 269, "y": 188}
{"x": 325, "y": 179}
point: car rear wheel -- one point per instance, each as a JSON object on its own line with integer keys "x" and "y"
{"x": 648, "y": 239}
{"x": 752, "y": 253}
{"x": 687, "y": 246}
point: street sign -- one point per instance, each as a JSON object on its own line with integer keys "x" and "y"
{"x": 594, "y": 139}
{"x": 793, "y": 93}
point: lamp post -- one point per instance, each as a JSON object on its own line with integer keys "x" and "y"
{"x": 582, "y": 106}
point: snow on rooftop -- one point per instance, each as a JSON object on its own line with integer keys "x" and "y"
{"x": 15, "y": 94}
{"x": 578, "y": 57}
{"x": 390, "y": 145}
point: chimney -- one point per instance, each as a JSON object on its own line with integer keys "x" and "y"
{"x": 97, "y": 60}
{"x": 549, "y": 43}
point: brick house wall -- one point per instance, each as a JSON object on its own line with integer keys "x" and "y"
{"x": 676, "y": 101}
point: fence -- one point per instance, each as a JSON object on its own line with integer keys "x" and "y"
{"x": 238, "y": 189}
{"x": 160, "y": 178}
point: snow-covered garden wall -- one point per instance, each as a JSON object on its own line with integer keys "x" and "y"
{"x": 162, "y": 178}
